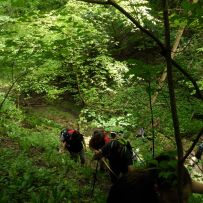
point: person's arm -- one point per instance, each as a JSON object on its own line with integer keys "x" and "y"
{"x": 83, "y": 142}
{"x": 98, "y": 154}
{"x": 62, "y": 147}
{"x": 130, "y": 160}
{"x": 101, "y": 152}
{"x": 197, "y": 187}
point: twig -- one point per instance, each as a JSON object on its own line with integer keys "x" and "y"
{"x": 11, "y": 87}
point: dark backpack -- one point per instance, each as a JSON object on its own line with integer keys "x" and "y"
{"x": 73, "y": 139}
{"x": 201, "y": 147}
{"x": 124, "y": 146}
{"x": 199, "y": 151}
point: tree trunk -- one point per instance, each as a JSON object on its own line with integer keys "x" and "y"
{"x": 150, "y": 34}
{"x": 173, "y": 100}
{"x": 79, "y": 90}
{"x": 164, "y": 74}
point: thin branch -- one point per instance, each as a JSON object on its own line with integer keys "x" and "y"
{"x": 164, "y": 73}
{"x": 184, "y": 48}
{"x": 11, "y": 87}
{"x": 185, "y": 73}
{"x": 173, "y": 100}
{"x": 193, "y": 145}
{"x": 160, "y": 44}
{"x": 130, "y": 17}
{"x": 152, "y": 121}
{"x": 96, "y": 2}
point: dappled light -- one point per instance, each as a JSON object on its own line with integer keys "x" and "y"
{"x": 93, "y": 93}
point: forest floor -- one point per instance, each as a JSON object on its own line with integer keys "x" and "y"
{"x": 30, "y": 152}
{"x": 40, "y": 120}
{"x": 66, "y": 115}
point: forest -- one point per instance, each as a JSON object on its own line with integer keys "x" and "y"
{"x": 125, "y": 66}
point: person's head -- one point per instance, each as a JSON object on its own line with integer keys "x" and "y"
{"x": 113, "y": 134}
{"x": 63, "y": 135}
{"x": 155, "y": 184}
{"x": 97, "y": 139}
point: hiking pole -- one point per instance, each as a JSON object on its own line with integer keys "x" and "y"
{"x": 109, "y": 168}
{"x": 94, "y": 180}
{"x": 196, "y": 163}
{"x": 152, "y": 119}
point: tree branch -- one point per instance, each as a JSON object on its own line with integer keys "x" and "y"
{"x": 173, "y": 100}
{"x": 164, "y": 73}
{"x": 96, "y": 2}
{"x": 159, "y": 43}
{"x": 130, "y": 17}
{"x": 185, "y": 73}
{"x": 11, "y": 87}
{"x": 193, "y": 145}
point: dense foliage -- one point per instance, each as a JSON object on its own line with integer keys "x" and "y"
{"x": 91, "y": 56}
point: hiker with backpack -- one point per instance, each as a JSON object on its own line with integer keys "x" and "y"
{"x": 98, "y": 139}
{"x": 119, "y": 154}
{"x": 73, "y": 142}
{"x": 113, "y": 135}
{"x": 199, "y": 152}
{"x": 196, "y": 159}
{"x": 135, "y": 157}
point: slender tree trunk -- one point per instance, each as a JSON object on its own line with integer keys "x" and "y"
{"x": 79, "y": 90}
{"x": 150, "y": 34}
{"x": 172, "y": 98}
{"x": 164, "y": 74}
{"x": 167, "y": 54}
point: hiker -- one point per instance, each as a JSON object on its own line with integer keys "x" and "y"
{"x": 73, "y": 141}
{"x": 135, "y": 152}
{"x": 113, "y": 135}
{"x": 140, "y": 133}
{"x": 197, "y": 156}
{"x": 119, "y": 157}
{"x": 98, "y": 140}
{"x": 199, "y": 152}
{"x": 157, "y": 183}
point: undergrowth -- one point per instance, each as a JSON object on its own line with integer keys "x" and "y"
{"x": 31, "y": 167}
{"x": 33, "y": 170}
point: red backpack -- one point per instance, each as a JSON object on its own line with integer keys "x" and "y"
{"x": 73, "y": 140}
